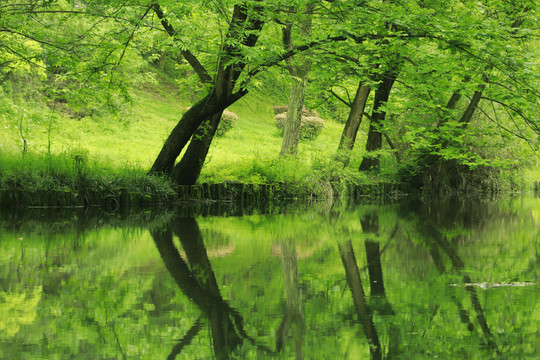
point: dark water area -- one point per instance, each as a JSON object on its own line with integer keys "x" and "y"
{"x": 455, "y": 279}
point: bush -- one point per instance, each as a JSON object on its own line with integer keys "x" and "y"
{"x": 227, "y": 122}
{"x": 310, "y": 126}
{"x": 280, "y": 109}
{"x": 280, "y": 121}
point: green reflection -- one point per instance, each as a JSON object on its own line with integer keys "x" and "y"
{"x": 411, "y": 280}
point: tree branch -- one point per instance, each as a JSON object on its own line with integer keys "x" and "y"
{"x": 340, "y": 98}
{"x": 531, "y": 123}
{"x": 201, "y": 71}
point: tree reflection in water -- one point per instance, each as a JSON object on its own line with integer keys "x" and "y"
{"x": 294, "y": 316}
{"x": 197, "y": 281}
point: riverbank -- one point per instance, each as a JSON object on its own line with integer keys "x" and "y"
{"x": 121, "y": 197}
{"x": 74, "y": 180}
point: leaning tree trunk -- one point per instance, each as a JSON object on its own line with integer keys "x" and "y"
{"x": 187, "y": 171}
{"x": 436, "y": 167}
{"x": 374, "y": 141}
{"x": 183, "y": 131}
{"x": 244, "y": 30}
{"x": 350, "y": 130}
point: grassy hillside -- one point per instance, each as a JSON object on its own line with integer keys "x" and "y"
{"x": 250, "y": 151}
{"x": 133, "y": 137}
{"x": 128, "y": 142}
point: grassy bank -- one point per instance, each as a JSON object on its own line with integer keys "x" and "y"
{"x": 72, "y": 179}
{"x": 46, "y": 147}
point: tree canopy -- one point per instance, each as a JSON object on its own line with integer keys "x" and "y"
{"x": 460, "y": 78}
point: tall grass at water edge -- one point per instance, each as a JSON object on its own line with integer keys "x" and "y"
{"x": 74, "y": 171}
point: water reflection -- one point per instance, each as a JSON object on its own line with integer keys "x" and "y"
{"x": 438, "y": 244}
{"x": 394, "y": 281}
{"x": 365, "y": 315}
{"x": 294, "y": 318}
{"x": 196, "y": 280}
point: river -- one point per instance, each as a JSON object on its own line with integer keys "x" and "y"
{"x": 410, "y": 279}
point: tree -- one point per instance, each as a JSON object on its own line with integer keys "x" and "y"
{"x": 420, "y": 53}
{"x": 299, "y": 71}
{"x": 445, "y": 137}
{"x": 84, "y": 56}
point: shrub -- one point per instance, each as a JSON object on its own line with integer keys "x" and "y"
{"x": 280, "y": 119}
{"x": 280, "y": 109}
{"x": 228, "y": 121}
{"x": 310, "y": 126}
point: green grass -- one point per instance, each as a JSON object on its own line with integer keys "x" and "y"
{"x": 73, "y": 171}
{"x": 127, "y": 143}
{"x": 132, "y": 139}
{"x": 250, "y": 151}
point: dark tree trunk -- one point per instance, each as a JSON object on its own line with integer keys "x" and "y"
{"x": 436, "y": 169}
{"x": 473, "y": 104}
{"x": 348, "y": 137}
{"x": 365, "y": 315}
{"x": 244, "y": 31}
{"x": 374, "y": 141}
{"x": 187, "y": 171}
{"x": 437, "y": 172}
{"x": 183, "y": 131}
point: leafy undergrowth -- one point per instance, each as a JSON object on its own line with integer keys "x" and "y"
{"x": 74, "y": 171}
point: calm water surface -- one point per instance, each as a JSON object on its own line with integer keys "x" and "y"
{"x": 410, "y": 280}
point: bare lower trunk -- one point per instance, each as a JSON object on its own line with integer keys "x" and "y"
{"x": 187, "y": 171}
{"x": 183, "y": 131}
{"x": 348, "y": 137}
{"x": 374, "y": 141}
{"x": 291, "y": 133}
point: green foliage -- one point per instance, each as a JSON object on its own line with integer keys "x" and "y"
{"x": 77, "y": 171}
{"x": 94, "y": 67}
{"x": 227, "y": 122}
{"x": 17, "y": 310}
{"x": 310, "y": 126}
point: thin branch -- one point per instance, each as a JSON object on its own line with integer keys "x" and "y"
{"x": 40, "y": 41}
{"x": 532, "y": 124}
{"x": 313, "y": 44}
{"x": 186, "y": 340}
{"x": 128, "y": 41}
{"x": 201, "y": 71}
{"x": 340, "y": 98}
{"x": 521, "y": 136}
